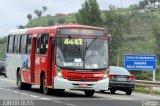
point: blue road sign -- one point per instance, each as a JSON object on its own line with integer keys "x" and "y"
{"x": 140, "y": 62}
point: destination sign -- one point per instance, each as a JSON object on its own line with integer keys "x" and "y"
{"x": 80, "y": 31}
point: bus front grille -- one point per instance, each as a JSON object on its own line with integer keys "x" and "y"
{"x": 85, "y": 79}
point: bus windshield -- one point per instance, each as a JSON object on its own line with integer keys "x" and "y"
{"x": 81, "y": 53}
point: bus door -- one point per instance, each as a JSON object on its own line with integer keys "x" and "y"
{"x": 53, "y": 62}
{"x": 41, "y": 58}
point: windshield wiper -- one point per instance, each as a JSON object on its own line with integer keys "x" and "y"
{"x": 91, "y": 43}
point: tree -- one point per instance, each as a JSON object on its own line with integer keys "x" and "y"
{"x": 61, "y": 21}
{"x": 118, "y": 25}
{"x": 44, "y": 9}
{"x": 156, "y": 33}
{"x": 38, "y": 13}
{"x": 142, "y": 4}
{"x": 29, "y": 16}
{"x": 153, "y": 1}
{"x": 89, "y": 14}
{"x": 145, "y": 2}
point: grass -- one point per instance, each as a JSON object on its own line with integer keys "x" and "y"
{"x": 43, "y": 21}
{"x": 146, "y": 90}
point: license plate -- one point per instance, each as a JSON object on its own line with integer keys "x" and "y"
{"x": 83, "y": 85}
{"x": 121, "y": 79}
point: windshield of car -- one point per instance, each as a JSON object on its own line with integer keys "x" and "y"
{"x": 81, "y": 53}
{"x": 118, "y": 71}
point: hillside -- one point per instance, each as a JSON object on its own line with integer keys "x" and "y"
{"x": 140, "y": 41}
{"x": 50, "y": 20}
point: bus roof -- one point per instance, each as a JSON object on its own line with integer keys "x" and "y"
{"x": 49, "y": 29}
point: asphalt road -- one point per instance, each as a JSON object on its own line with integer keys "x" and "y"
{"x": 10, "y": 94}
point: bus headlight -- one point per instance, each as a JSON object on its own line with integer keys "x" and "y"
{"x": 59, "y": 73}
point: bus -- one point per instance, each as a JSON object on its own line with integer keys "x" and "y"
{"x": 67, "y": 57}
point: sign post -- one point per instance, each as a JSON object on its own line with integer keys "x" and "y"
{"x": 140, "y": 62}
{"x": 154, "y": 76}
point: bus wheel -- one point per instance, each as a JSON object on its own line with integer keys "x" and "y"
{"x": 5, "y": 75}
{"x": 22, "y": 85}
{"x": 89, "y": 93}
{"x": 46, "y": 90}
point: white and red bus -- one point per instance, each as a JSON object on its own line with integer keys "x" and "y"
{"x": 60, "y": 57}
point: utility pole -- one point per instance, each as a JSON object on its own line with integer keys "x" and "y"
{"x": 118, "y": 58}
{"x": 121, "y": 4}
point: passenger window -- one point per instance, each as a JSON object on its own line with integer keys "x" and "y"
{"x": 18, "y": 43}
{"x": 10, "y": 43}
{"x": 44, "y": 44}
{"x": 38, "y": 44}
{"x": 23, "y": 44}
{"x": 29, "y": 43}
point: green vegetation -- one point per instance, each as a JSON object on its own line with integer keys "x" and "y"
{"x": 3, "y": 47}
{"x": 89, "y": 14}
{"x": 45, "y": 21}
{"x": 146, "y": 90}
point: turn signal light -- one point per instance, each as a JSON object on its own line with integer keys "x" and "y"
{"x": 111, "y": 76}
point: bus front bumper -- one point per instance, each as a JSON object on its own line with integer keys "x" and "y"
{"x": 60, "y": 83}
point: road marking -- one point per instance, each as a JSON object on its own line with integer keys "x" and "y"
{"x": 57, "y": 101}
{"x": 68, "y": 104}
{"x": 16, "y": 92}
{"x": 45, "y": 98}
{"x": 24, "y": 94}
{"x": 33, "y": 96}
{"x": 8, "y": 80}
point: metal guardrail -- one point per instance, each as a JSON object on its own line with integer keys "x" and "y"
{"x": 147, "y": 83}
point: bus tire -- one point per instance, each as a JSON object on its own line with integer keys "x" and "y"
{"x": 45, "y": 89}
{"x": 5, "y": 75}
{"x": 21, "y": 85}
{"x": 89, "y": 93}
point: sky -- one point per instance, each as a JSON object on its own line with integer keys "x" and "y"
{"x": 14, "y": 12}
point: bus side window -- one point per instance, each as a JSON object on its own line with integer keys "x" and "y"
{"x": 23, "y": 44}
{"x": 15, "y": 43}
{"x": 10, "y": 44}
{"x": 44, "y": 44}
{"x": 18, "y": 43}
{"x": 29, "y": 43}
{"x": 38, "y": 44}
